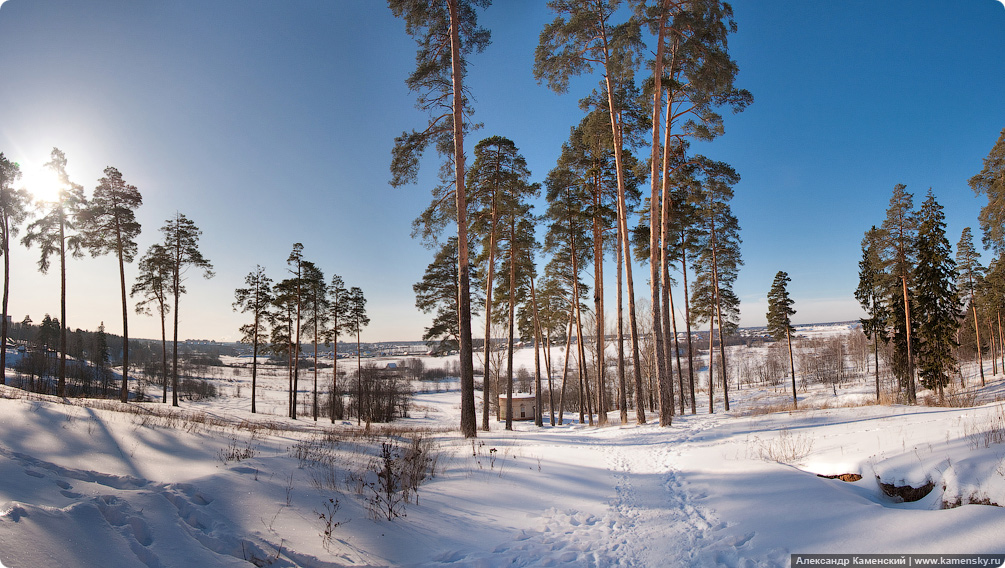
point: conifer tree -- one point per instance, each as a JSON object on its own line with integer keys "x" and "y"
{"x": 871, "y": 293}
{"x": 316, "y": 314}
{"x": 56, "y": 231}
{"x": 357, "y": 319}
{"x": 938, "y": 302}
{"x": 900, "y": 229}
{"x": 991, "y": 182}
{"x": 181, "y": 241}
{"x": 583, "y": 37}
{"x": 518, "y": 245}
{"x": 13, "y": 211}
{"x": 283, "y": 323}
{"x": 255, "y": 298}
{"x": 437, "y": 292}
{"x": 970, "y": 275}
{"x": 296, "y": 267}
{"x": 446, "y": 32}
{"x": 717, "y": 264}
{"x": 338, "y": 300}
{"x": 691, "y": 53}
{"x": 154, "y": 282}
{"x": 109, "y": 225}
{"x": 498, "y": 187}
{"x": 779, "y": 315}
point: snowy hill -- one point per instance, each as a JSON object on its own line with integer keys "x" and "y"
{"x": 104, "y": 484}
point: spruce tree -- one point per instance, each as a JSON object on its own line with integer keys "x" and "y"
{"x": 938, "y": 302}
{"x": 871, "y": 293}
{"x": 779, "y": 315}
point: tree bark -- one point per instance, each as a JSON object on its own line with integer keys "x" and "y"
{"x": 468, "y": 419}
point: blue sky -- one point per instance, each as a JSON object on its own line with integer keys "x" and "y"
{"x": 271, "y": 122}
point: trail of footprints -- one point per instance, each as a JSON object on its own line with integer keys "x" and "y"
{"x": 184, "y": 501}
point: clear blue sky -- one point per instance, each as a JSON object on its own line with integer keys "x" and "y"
{"x": 271, "y": 122}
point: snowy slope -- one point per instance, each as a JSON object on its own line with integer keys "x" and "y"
{"x": 217, "y": 486}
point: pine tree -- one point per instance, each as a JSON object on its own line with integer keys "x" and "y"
{"x": 338, "y": 300}
{"x": 581, "y": 38}
{"x": 283, "y": 323}
{"x": 13, "y": 211}
{"x": 154, "y": 282}
{"x": 255, "y": 298}
{"x": 900, "y": 229}
{"x": 871, "y": 293}
{"x": 971, "y": 274}
{"x": 357, "y": 320}
{"x": 717, "y": 264}
{"x": 498, "y": 186}
{"x": 316, "y": 314}
{"x": 109, "y": 225}
{"x": 295, "y": 262}
{"x": 691, "y": 53}
{"x": 437, "y": 292}
{"x": 56, "y": 232}
{"x": 991, "y": 182}
{"x": 779, "y": 315}
{"x": 938, "y": 302}
{"x": 447, "y": 33}
{"x": 181, "y": 241}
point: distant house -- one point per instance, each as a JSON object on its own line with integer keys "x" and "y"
{"x": 524, "y": 406}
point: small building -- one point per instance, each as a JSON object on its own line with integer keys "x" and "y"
{"x": 524, "y": 406}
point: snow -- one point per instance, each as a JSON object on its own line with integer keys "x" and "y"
{"x": 89, "y": 484}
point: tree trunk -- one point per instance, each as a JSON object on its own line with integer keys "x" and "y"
{"x": 254, "y": 362}
{"x": 622, "y": 379}
{"x": 980, "y": 356}
{"x": 512, "y": 317}
{"x": 912, "y": 396}
{"x": 687, "y": 324}
{"x": 538, "y": 420}
{"x": 125, "y": 317}
{"x": 486, "y": 391}
{"x": 659, "y": 352}
{"x": 6, "y": 295}
{"x": 792, "y": 366}
{"x": 598, "y": 293}
{"x": 61, "y": 385}
{"x": 623, "y": 221}
{"x": 565, "y": 367}
{"x": 468, "y": 419}
{"x": 164, "y": 353}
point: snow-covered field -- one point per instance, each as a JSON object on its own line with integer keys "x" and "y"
{"x": 213, "y": 485}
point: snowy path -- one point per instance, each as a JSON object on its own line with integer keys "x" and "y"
{"x": 645, "y": 515}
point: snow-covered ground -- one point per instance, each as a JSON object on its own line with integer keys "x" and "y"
{"x": 213, "y": 485}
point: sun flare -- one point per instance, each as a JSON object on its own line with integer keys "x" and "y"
{"x": 41, "y": 182}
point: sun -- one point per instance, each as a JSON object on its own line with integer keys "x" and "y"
{"x": 40, "y": 181}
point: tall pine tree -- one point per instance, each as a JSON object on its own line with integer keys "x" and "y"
{"x": 779, "y": 315}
